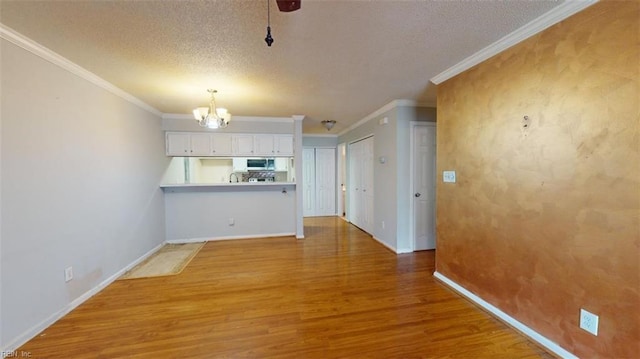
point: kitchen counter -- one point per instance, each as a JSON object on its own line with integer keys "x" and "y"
{"x": 234, "y": 186}
{"x": 214, "y": 211}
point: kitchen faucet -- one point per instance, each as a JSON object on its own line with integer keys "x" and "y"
{"x": 235, "y": 175}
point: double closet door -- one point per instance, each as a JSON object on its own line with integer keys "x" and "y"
{"x": 361, "y": 184}
{"x": 319, "y": 181}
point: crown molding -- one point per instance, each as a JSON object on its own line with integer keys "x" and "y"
{"x": 552, "y": 17}
{"x": 318, "y": 135}
{"x": 182, "y": 116}
{"x": 33, "y": 47}
{"x": 388, "y": 107}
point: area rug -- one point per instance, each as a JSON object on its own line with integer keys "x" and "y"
{"x": 171, "y": 259}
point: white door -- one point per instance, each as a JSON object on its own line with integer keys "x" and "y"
{"x": 367, "y": 185}
{"x": 360, "y": 188}
{"x": 424, "y": 185}
{"x": 355, "y": 176}
{"x": 308, "y": 182}
{"x": 325, "y": 181}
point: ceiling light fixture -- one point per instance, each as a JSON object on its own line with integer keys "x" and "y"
{"x": 268, "y": 39}
{"x": 212, "y": 117}
{"x": 328, "y": 124}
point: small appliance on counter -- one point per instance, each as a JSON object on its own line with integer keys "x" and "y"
{"x": 266, "y": 179}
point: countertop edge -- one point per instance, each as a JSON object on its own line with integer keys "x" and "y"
{"x": 234, "y": 184}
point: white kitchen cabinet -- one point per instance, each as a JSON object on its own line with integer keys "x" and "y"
{"x": 283, "y": 145}
{"x": 273, "y": 145}
{"x": 243, "y": 145}
{"x": 228, "y": 144}
{"x": 178, "y": 144}
{"x": 281, "y": 164}
{"x": 239, "y": 164}
{"x": 263, "y": 145}
{"x": 188, "y": 144}
{"x": 221, "y": 144}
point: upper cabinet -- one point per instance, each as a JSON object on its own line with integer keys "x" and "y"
{"x": 263, "y": 145}
{"x": 243, "y": 145}
{"x": 283, "y": 145}
{"x": 221, "y": 144}
{"x": 185, "y": 144}
{"x": 228, "y": 144}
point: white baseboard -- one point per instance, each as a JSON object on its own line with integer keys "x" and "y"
{"x": 228, "y": 238}
{"x": 532, "y": 334}
{"x": 33, "y": 331}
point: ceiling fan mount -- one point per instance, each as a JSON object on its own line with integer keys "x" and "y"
{"x": 288, "y": 5}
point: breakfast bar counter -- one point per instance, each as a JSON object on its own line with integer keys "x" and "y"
{"x": 216, "y": 211}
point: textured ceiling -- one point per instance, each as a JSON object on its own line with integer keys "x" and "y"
{"x": 333, "y": 60}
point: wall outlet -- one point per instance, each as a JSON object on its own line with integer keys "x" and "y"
{"x": 589, "y": 322}
{"x": 68, "y": 274}
{"x": 232, "y": 221}
{"x": 449, "y": 176}
{"x": 382, "y": 224}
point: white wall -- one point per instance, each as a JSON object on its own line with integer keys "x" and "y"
{"x": 80, "y": 173}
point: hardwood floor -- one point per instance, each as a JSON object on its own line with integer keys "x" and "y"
{"x": 336, "y": 294}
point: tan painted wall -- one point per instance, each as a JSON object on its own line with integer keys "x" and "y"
{"x": 545, "y": 220}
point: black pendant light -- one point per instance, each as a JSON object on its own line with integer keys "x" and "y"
{"x": 268, "y": 39}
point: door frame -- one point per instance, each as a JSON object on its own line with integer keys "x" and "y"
{"x": 412, "y": 155}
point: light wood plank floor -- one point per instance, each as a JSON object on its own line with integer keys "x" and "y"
{"x": 336, "y": 294}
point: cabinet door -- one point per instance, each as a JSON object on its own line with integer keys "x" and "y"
{"x": 281, "y": 164}
{"x": 178, "y": 144}
{"x": 221, "y": 144}
{"x": 284, "y": 145}
{"x": 200, "y": 144}
{"x": 239, "y": 164}
{"x": 263, "y": 145}
{"x": 243, "y": 145}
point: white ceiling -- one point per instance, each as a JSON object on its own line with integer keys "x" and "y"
{"x": 333, "y": 60}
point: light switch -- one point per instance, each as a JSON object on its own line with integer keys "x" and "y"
{"x": 449, "y": 176}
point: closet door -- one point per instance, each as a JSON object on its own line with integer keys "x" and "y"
{"x": 367, "y": 185}
{"x": 308, "y": 182}
{"x": 325, "y": 181}
{"x": 361, "y": 184}
{"x": 355, "y": 178}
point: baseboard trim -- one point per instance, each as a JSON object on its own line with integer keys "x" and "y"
{"x": 230, "y": 238}
{"x": 530, "y": 333}
{"x": 36, "y": 329}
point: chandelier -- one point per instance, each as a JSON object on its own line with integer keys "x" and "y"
{"x": 328, "y": 124}
{"x": 212, "y": 116}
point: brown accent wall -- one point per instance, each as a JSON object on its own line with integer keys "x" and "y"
{"x": 544, "y": 219}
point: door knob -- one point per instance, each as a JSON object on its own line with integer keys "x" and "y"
{"x": 417, "y": 194}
